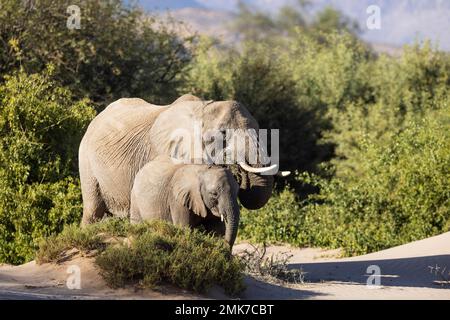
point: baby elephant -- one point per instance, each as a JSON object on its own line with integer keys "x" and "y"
{"x": 187, "y": 195}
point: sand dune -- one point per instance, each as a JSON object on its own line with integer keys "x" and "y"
{"x": 417, "y": 270}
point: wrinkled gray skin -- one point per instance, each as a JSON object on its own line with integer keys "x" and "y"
{"x": 131, "y": 132}
{"x": 187, "y": 195}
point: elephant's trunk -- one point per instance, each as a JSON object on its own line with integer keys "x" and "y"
{"x": 256, "y": 180}
{"x": 231, "y": 216}
{"x": 255, "y": 190}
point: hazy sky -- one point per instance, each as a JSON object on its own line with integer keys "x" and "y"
{"x": 402, "y": 21}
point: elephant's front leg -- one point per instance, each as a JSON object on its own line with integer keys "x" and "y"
{"x": 182, "y": 216}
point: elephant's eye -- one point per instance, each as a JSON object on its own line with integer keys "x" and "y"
{"x": 214, "y": 194}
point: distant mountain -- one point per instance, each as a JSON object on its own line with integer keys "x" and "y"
{"x": 402, "y": 21}
{"x": 206, "y": 21}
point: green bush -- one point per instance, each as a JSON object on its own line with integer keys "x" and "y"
{"x": 40, "y": 130}
{"x": 119, "y": 51}
{"x": 157, "y": 253}
{"x": 279, "y": 221}
{"x": 403, "y": 195}
{"x": 403, "y": 89}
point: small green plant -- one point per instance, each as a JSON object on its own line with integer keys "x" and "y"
{"x": 94, "y": 237}
{"x": 151, "y": 254}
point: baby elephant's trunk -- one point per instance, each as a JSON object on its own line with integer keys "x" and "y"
{"x": 231, "y": 216}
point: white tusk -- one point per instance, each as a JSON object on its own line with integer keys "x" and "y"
{"x": 221, "y": 217}
{"x": 283, "y": 173}
{"x": 257, "y": 170}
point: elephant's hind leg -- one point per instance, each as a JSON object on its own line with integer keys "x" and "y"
{"x": 94, "y": 207}
{"x": 135, "y": 215}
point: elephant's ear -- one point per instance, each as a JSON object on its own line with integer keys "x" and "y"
{"x": 187, "y": 194}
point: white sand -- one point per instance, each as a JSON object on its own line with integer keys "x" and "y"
{"x": 405, "y": 274}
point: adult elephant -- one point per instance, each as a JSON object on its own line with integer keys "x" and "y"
{"x": 129, "y": 133}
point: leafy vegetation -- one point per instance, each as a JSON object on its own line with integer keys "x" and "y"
{"x": 117, "y": 52}
{"x": 402, "y": 195}
{"x": 41, "y": 126}
{"x": 153, "y": 253}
